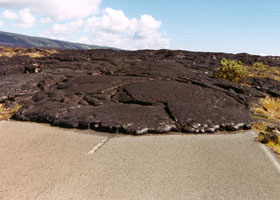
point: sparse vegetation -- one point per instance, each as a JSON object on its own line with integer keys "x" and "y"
{"x": 236, "y": 71}
{"x": 275, "y": 144}
{"x": 38, "y": 53}
{"x": 268, "y": 135}
{"x": 269, "y": 108}
{"x": 261, "y": 126}
{"x": 258, "y": 69}
{"x": 260, "y": 66}
{"x": 232, "y": 70}
{"x": 7, "y": 113}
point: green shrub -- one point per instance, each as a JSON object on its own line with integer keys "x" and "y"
{"x": 232, "y": 70}
{"x": 260, "y": 66}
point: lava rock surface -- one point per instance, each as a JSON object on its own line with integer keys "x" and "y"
{"x": 133, "y": 92}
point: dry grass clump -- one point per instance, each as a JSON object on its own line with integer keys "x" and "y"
{"x": 269, "y": 108}
{"x": 7, "y": 113}
{"x": 269, "y": 136}
{"x": 265, "y": 75}
{"x": 33, "y": 53}
{"x": 275, "y": 145}
{"x": 261, "y": 126}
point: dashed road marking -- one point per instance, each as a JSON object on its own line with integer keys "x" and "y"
{"x": 99, "y": 145}
{"x": 271, "y": 157}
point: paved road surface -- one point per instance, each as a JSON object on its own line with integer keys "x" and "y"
{"x": 42, "y": 162}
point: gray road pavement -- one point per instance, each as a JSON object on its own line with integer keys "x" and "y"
{"x": 42, "y": 162}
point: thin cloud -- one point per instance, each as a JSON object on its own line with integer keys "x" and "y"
{"x": 67, "y": 28}
{"x": 46, "y": 20}
{"x": 57, "y": 10}
{"x": 23, "y": 18}
{"x": 8, "y": 14}
{"x": 26, "y": 19}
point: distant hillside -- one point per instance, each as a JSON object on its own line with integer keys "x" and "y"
{"x": 17, "y": 40}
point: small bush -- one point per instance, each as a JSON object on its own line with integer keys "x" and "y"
{"x": 260, "y": 66}
{"x": 232, "y": 70}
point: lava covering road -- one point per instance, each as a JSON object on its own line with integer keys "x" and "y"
{"x": 133, "y": 92}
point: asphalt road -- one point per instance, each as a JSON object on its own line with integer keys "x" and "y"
{"x": 42, "y": 162}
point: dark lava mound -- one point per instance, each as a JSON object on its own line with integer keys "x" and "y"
{"x": 132, "y": 92}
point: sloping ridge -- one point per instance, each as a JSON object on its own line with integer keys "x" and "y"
{"x": 18, "y": 40}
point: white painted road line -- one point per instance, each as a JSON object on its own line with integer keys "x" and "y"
{"x": 271, "y": 157}
{"x": 98, "y": 146}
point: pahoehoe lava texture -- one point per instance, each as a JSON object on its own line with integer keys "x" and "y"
{"x": 132, "y": 92}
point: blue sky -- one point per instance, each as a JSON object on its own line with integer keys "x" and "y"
{"x": 251, "y": 26}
